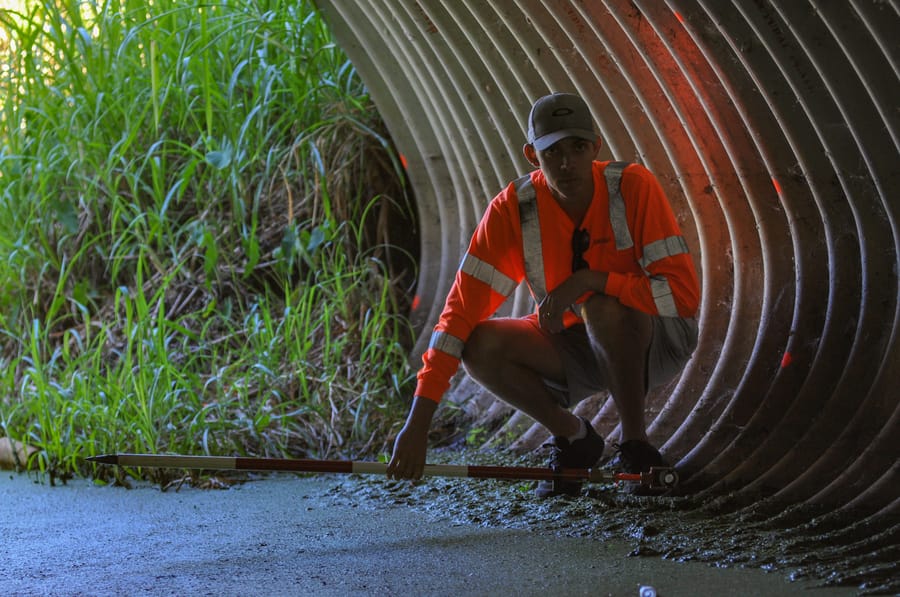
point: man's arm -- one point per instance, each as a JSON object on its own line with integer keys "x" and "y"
{"x": 490, "y": 271}
{"x": 408, "y": 459}
{"x": 668, "y": 284}
{"x": 563, "y": 297}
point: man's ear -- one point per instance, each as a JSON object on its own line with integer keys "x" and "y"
{"x": 531, "y": 155}
{"x": 598, "y": 143}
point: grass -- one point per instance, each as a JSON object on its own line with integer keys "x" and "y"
{"x": 199, "y": 247}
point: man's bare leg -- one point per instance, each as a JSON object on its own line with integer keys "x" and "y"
{"x": 620, "y": 337}
{"x": 511, "y": 358}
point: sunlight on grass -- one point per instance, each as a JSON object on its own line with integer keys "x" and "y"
{"x": 8, "y": 46}
{"x": 14, "y": 5}
{"x": 197, "y": 236}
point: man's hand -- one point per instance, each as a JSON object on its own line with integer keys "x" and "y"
{"x": 408, "y": 459}
{"x": 562, "y": 298}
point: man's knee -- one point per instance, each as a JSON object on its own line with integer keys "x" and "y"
{"x": 481, "y": 347}
{"x": 495, "y": 343}
{"x": 610, "y": 322}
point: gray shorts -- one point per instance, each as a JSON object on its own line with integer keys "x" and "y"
{"x": 674, "y": 340}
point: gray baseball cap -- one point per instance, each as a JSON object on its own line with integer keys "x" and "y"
{"x": 557, "y": 116}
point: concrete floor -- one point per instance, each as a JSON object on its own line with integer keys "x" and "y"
{"x": 290, "y": 536}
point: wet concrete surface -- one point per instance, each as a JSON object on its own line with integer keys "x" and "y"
{"x": 285, "y": 535}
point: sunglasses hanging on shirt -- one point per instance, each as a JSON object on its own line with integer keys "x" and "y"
{"x": 581, "y": 240}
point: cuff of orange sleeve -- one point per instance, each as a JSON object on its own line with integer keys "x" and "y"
{"x": 429, "y": 391}
{"x": 431, "y": 385}
{"x": 615, "y": 283}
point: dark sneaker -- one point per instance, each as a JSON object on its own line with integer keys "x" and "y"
{"x": 637, "y": 456}
{"x": 581, "y": 453}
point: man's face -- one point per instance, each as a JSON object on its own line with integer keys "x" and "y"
{"x": 567, "y": 166}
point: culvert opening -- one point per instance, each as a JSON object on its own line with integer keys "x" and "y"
{"x": 773, "y": 132}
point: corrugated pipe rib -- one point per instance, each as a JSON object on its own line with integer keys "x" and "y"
{"x": 774, "y": 130}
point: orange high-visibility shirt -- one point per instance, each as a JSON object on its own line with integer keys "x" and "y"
{"x": 494, "y": 264}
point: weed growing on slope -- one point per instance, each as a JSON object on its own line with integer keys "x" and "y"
{"x": 199, "y": 246}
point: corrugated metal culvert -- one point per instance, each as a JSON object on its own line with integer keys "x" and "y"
{"x": 773, "y": 127}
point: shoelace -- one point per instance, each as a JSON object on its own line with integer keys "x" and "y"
{"x": 554, "y": 453}
{"x": 624, "y": 460}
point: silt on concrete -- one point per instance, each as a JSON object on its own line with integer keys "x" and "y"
{"x": 285, "y": 535}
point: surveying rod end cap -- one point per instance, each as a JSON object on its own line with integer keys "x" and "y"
{"x": 663, "y": 476}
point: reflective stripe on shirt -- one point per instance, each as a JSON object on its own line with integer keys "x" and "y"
{"x": 487, "y": 273}
{"x": 662, "y": 296}
{"x": 662, "y": 248}
{"x": 659, "y": 285}
{"x": 613, "y": 175}
{"x": 447, "y": 343}
{"x": 532, "y": 251}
